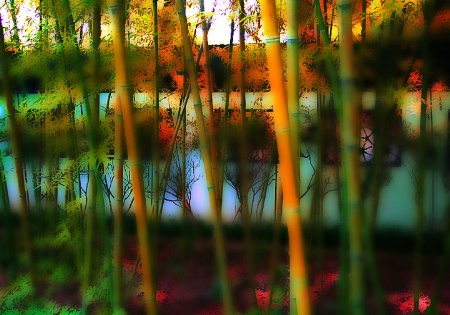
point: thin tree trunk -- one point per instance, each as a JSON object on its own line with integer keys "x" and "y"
{"x": 299, "y": 294}
{"x": 205, "y": 151}
{"x": 123, "y": 90}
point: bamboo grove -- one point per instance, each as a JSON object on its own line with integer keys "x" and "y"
{"x": 111, "y": 107}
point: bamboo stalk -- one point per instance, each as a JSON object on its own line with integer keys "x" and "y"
{"x": 275, "y": 242}
{"x": 156, "y": 145}
{"x": 350, "y": 125}
{"x": 9, "y": 243}
{"x": 123, "y": 90}
{"x": 205, "y": 151}
{"x": 212, "y": 130}
{"x": 118, "y": 211}
{"x": 292, "y": 73}
{"x": 299, "y": 294}
{"x": 244, "y": 164}
{"x": 95, "y": 202}
{"x": 18, "y": 159}
{"x": 344, "y": 307}
{"x": 224, "y": 142}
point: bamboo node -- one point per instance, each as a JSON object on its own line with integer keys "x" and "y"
{"x": 270, "y": 40}
{"x": 293, "y": 40}
{"x": 353, "y": 146}
{"x": 197, "y": 104}
{"x": 299, "y": 282}
{"x": 209, "y": 187}
{"x": 296, "y": 115}
{"x": 344, "y": 6}
{"x": 125, "y": 87}
{"x": 286, "y": 129}
{"x": 113, "y": 8}
{"x": 134, "y": 163}
{"x": 356, "y": 257}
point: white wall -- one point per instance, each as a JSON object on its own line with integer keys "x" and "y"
{"x": 397, "y": 203}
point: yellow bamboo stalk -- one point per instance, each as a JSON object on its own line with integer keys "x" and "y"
{"x": 350, "y": 141}
{"x": 299, "y": 295}
{"x": 205, "y": 151}
{"x": 123, "y": 90}
{"x": 292, "y": 81}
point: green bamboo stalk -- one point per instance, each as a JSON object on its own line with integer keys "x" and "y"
{"x": 73, "y": 152}
{"x": 95, "y": 202}
{"x": 443, "y": 267}
{"x": 123, "y": 90}
{"x": 275, "y": 242}
{"x": 205, "y": 151}
{"x": 183, "y": 167}
{"x": 299, "y": 295}
{"x": 18, "y": 159}
{"x": 224, "y": 142}
{"x": 351, "y": 132}
{"x": 212, "y": 130}
{"x": 9, "y": 243}
{"x": 344, "y": 307}
{"x": 244, "y": 164}
{"x": 93, "y": 191}
{"x": 154, "y": 224}
{"x": 118, "y": 211}
{"x": 156, "y": 145}
{"x": 422, "y": 159}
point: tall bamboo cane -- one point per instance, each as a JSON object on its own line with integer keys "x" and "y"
{"x": 205, "y": 151}
{"x": 244, "y": 164}
{"x": 292, "y": 81}
{"x": 9, "y": 243}
{"x": 224, "y": 142}
{"x": 118, "y": 211}
{"x": 422, "y": 159}
{"x": 123, "y": 90}
{"x": 96, "y": 204}
{"x": 299, "y": 294}
{"x": 212, "y": 130}
{"x": 337, "y": 98}
{"x": 156, "y": 146}
{"x": 350, "y": 125}
{"x": 18, "y": 159}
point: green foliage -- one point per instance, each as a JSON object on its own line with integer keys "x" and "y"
{"x": 16, "y": 294}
